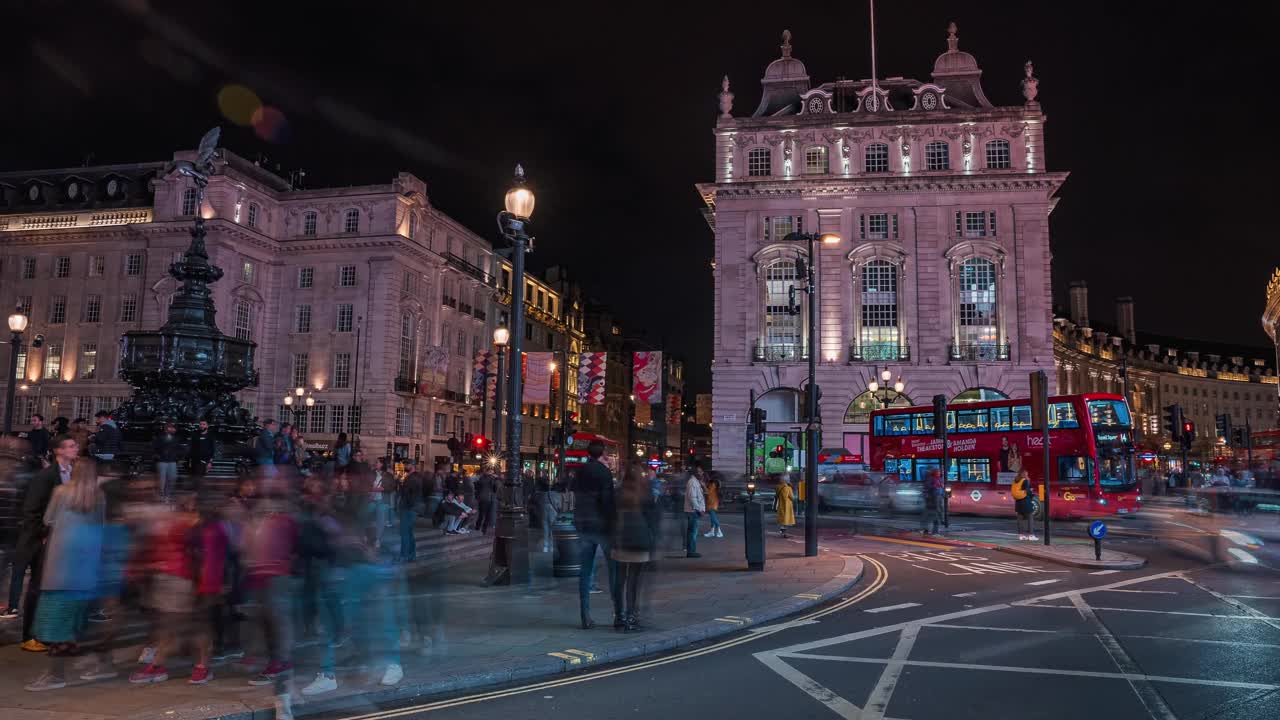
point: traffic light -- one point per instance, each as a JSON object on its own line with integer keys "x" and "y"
{"x": 777, "y": 451}
{"x": 479, "y": 443}
{"x": 1240, "y": 437}
{"x": 570, "y": 428}
{"x": 758, "y": 416}
{"x": 1173, "y": 421}
{"x": 793, "y": 307}
{"x": 1188, "y": 434}
{"x": 811, "y": 413}
{"x": 940, "y": 416}
{"x": 1224, "y": 426}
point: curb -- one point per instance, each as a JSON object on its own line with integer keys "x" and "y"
{"x": 1132, "y": 562}
{"x": 468, "y": 677}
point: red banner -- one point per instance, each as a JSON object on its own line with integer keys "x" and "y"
{"x": 646, "y": 374}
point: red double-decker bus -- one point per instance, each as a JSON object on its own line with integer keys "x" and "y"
{"x": 1090, "y": 439}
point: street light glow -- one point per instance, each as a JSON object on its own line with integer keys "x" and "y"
{"x": 886, "y": 376}
{"x": 829, "y": 238}
{"x": 519, "y": 200}
{"x": 873, "y": 386}
{"x": 17, "y": 322}
{"x": 501, "y": 336}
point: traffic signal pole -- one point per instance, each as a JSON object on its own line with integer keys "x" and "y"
{"x": 811, "y": 430}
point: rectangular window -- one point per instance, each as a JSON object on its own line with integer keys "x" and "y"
{"x": 439, "y": 423}
{"x": 97, "y": 265}
{"x": 1074, "y": 470}
{"x": 1000, "y": 418}
{"x": 244, "y": 321}
{"x": 92, "y": 308}
{"x": 974, "y": 470}
{"x": 342, "y": 370}
{"x": 403, "y": 422}
{"x": 28, "y": 268}
{"x": 991, "y": 222}
{"x": 301, "y": 366}
{"x": 302, "y": 319}
{"x": 253, "y": 215}
{"x": 407, "y": 346}
{"x": 104, "y": 404}
{"x": 246, "y": 273}
{"x": 337, "y": 419}
{"x": 462, "y": 343}
{"x": 998, "y": 155}
{"x": 876, "y": 158}
{"x": 88, "y": 361}
{"x": 777, "y": 227}
{"x": 346, "y": 317}
{"x": 877, "y": 226}
{"x": 969, "y": 421}
{"x": 459, "y": 426}
{"x": 129, "y": 308}
{"x": 352, "y": 221}
{"x": 53, "y": 362}
{"x": 347, "y": 276}
{"x": 937, "y": 156}
{"x": 84, "y": 407}
{"x": 21, "y": 372}
{"x": 1062, "y": 415}
{"x": 975, "y": 224}
{"x": 62, "y": 267}
{"x": 815, "y": 160}
{"x": 133, "y": 264}
{"x": 189, "y": 202}
{"x": 1021, "y": 417}
{"x": 899, "y": 424}
{"x": 58, "y": 310}
{"x": 306, "y": 277}
{"x": 759, "y": 162}
{"x": 354, "y": 424}
{"x": 309, "y": 223}
{"x": 317, "y": 414}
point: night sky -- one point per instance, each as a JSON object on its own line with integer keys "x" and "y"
{"x": 1156, "y": 112}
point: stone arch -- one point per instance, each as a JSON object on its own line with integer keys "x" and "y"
{"x": 859, "y": 410}
{"x": 979, "y": 393}
{"x": 781, "y": 405}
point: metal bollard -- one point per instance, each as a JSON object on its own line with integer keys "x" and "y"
{"x": 568, "y": 559}
{"x": 753, "y": 534}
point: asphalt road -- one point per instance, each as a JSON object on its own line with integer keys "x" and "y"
{"x": 951, "y": 633}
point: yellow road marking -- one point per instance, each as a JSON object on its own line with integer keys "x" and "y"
{"x": 882, "y": 577}
{"x": 881, "y": 538}
{"x": 582, "y": 653}
{"x": 732, "y": 619}
{"x": 568, "y": 658}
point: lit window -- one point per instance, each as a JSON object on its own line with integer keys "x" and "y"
{"x": 92, "y": 308}
{"x": 783, "y": 336}
{"x": 21, "y": 371}
{"x": 62, "y": 267}
{"x": 878, "y": 336}
{"x": 317, "y": 414}
{"x": 439, "y": 423}
{"x": 84, "y": 407}
{"x": 777, "y": 227}
{"x": 342, "y": 370}
{"x": 309, "y": 223}
{"x": 246, "y": 273}
{"x": 189, "y": 201}
{"x": 28, "y": 268}
{"x": 306, "y": 276}
{"x": 302, "y": 319}
{"x": 336, "y": 419}
{"x": 759, "y": 163}
{"x": 53, "y": 362}
{"x": 129, "y": 308}
{"x": 88, "y": 360}
{"x": 352, "y": 221}
{"x": 403, "y": 421}
{"x": 975, "y": 224}
{"x": 937, "y": 156}
{"x": 876, "y": 158}
{"x": 244, "y": 321}
{"x": 133, "y": 264}
{"x": 58, "y": 310}
{"x": 253, "y": 215}
{"x": 815, "y": 160}
{"x": 877, "y": 226}
{"x": 346, "y": 317}
{"x": 998, "y": 157}
{"x": 413, "y": 225}
{"x": 347, "y": 276}
{"x": 301, "y": 366}
{"x": 97, "y": 265}
{"x": 978, "y": 307}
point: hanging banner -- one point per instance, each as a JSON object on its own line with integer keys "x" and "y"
{"x": 591, "y": 369}
{"x": 644, "y": 414}
{"x": 674, "y": 406}
{"x": 646, "y": 374}
{"x": 481, "y": 368}
{"x": 433, "y": 370}
{"x": 537, "y": 378}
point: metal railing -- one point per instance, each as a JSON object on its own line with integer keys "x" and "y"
{"x": 405, "y": 385}
{"x": 879, "y": 351}
{"x": 784, "y": 352}
{"x": 465, "y": 267}
{"x": 979, "y": 351}
{"x": 450, "y": 302}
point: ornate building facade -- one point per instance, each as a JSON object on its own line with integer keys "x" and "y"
{"x": 1271, "y": 314}
{"x": 941, "y": 202}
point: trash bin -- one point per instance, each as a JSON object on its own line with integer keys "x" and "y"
{"x": 568, "y": 557}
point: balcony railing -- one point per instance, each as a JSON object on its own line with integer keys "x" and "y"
{"x": 480, "y": 314}
{"x": 467, "y": 268}
{"x": 405, "y": 385}
{"x": 450, "y": 302}
{"x": 464, "y": 308}
{"x": 784, "y": 352}
{"x": 979, "y": 351}
{"x": 879, "y": 351}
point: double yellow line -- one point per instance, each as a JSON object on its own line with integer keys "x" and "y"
{"x": 882, "y": 577}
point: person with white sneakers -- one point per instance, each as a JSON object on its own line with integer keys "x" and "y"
{"x": 711, "y": 484}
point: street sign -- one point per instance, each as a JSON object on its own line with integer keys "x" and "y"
{"x": 976, "y": 495}
{"x": 568, "y": 440}
{"x": 1148, "y": 456}
{"x": 1098, "y": 530}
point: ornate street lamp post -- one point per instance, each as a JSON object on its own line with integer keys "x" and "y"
{"x": 17, "y": 326}
{"x": 501, "y": 336}
{"x": 510, "y": 563}
{"x": 874, "y": 387}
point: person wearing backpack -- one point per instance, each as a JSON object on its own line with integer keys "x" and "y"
{"x": 1022, "y": 504}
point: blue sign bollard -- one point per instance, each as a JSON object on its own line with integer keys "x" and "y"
{"x": 1097, "y": 531}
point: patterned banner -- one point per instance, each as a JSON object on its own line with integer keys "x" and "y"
{"x": 434, "y": 370}
{"x": 537, "y": 378}
{"x": 591, "y": 378}
{"x": 674, "y": 409}
{"x": 646, "y": 374}
{"x": 481, "y": 368}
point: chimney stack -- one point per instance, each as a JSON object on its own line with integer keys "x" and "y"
{"x": 1080, "y": 303}
{"x": 1124, "y": 319}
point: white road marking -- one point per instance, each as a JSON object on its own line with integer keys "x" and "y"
{"x": 782, "y": 626}
{"x": 1236, "y": 604}
{"x": 878, "y": 702}
{"x": 985, "y": 627}
{"x": 1243, "y": 556}
{"x": 1039, "y": 671}
{"x": 1256, "y": 597}
{"x": 1265, "y": 619}
{"x": 1104, "y": 572}
{"x": 887, "y": 608}
{"x": 968, "y": 594}
{"x": 1145, "y": 592}
{"x": 1146, "y": 692}
{"x": 811, "y": 687}
{"x": 1045, "y": 582}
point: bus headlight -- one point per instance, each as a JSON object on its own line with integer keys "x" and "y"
{"x": 1102, "y": 501}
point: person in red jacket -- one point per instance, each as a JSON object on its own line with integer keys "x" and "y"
{"x": 172, "y": 586}
{"x": 210, "y": 599}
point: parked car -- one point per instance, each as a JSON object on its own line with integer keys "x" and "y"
{"x": 854, "y": 491}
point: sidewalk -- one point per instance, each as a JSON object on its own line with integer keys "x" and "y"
{"x": 486, "y": 636}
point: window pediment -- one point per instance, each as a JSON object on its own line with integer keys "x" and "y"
{"x": 774, "y": 252}
{"x": 890, "y": 252}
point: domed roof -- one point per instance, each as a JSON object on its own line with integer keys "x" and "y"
{"x": 786, "y": 67}
{"x": 955, "y": 61}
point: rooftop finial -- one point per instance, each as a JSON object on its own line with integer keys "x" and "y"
{"x": 726, "y": 98}
{"x": 953, "y": 40}
{"x": 519, "y": 172}
{"x": 1030, "y": 85}
{"x": 786, "y": 43}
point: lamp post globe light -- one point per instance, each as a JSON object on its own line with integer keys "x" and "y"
{"x": 883, "y": 393}
{"x": 17, "y": 326}
{"x": 510, "y": 563}
{"x": 501, "y": 336}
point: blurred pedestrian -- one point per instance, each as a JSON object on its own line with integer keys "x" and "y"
{"x": 167, "y": 450}
{"x": 264, "y": 449}
{"x": 457, "y": 513}
{"x": 410, "y": 497}
{"x": 283, "y": 446}
{"x": 636, "y": 537}
{"x": 38, "y": 437}
{"x": 486, "y": 501}
{"x": 379, "y": 488}
{"x": 80, "y": 433}
{"x": 1021, "y": 492}
{"x": 342, "y": 452}
{"x": 931, "y": 514}
{"x": 200, "y": 454}
{"x": 694, "y": 505}
{"x": 594, "y": 514}
{"x": 73, "y": 560}
{"x": 547, "y": 513}
{"x": 29, "y": 551}
{"x": 270, "y": 549}
{"x": 175, "y": 547}
{"x": 713, "y": 505}
{"x": 105, "y": 441}
{"x": 785, "y": 500}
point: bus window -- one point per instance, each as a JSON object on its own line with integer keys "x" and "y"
{"x": 1021, "y": 417}
{"x": 975, "y": 470}
{"x": 1109, "y": 413}
{"x": 900, "y": 467}
{"x": 968, "y": 421}
{"x": 895, "y": 424}
{"x": 1000, "y": 418}
{"x": 1074, "y": 470}
{"x": 1062, "y": 415}
{"x": 922, "y": 424}
{"x": 923, "y": 467}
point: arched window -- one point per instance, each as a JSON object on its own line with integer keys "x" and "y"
{"x": 876, "y": 158}
{"x": 977, "y": 329}
{"x": 979, "y": 394}
{"x": 190, "y": 201}
{"x": 352, "y": 221}
{"x": 998, "y": 157}
{"x": 937, "y": 156}
{"x": 782, "y": 332}
{"x": 815, "y": 160}
{"x": 879, "y": 335}
{"x": 759, "y": 162}
{"x": 859, "y": 411}
{"x": 309, "y": 222}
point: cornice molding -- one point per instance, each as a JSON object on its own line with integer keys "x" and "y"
{"x": 882, "y": 185}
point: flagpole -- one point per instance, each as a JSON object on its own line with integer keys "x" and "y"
{"x": 874, "y": 82}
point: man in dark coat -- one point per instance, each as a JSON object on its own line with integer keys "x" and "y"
{"x": 410, "y": 497}
{"x": 203, "y": 448}
{"x": 594, "y": 511}
{"x": 38, "y": 436}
